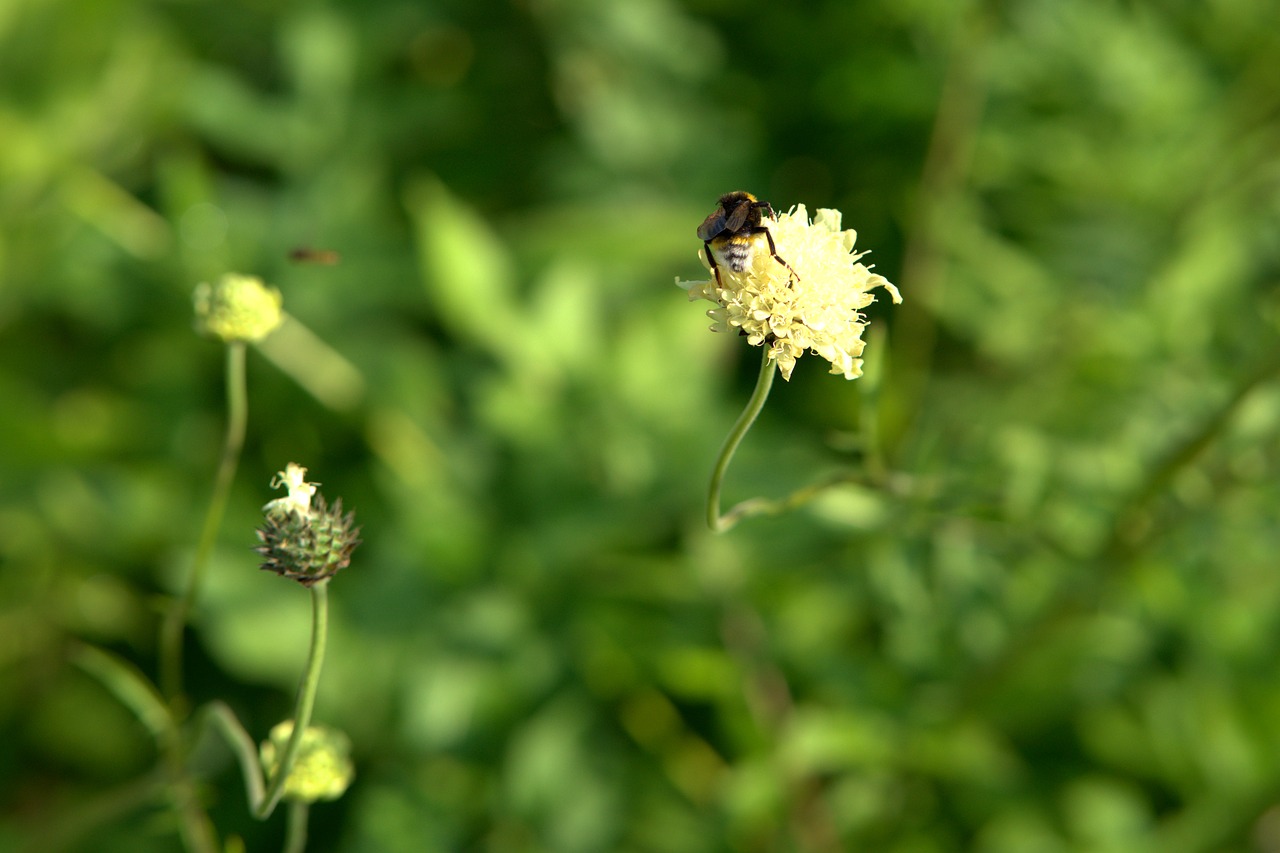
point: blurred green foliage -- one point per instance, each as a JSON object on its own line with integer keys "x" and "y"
{"x": 1048, "y": 618}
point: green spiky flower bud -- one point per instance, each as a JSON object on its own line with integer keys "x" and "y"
{"x": 322, "y": 768}
{"x": 237, "y": 308}
{"x": 307, "y": 543}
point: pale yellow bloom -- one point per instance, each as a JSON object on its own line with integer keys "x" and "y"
{"x": 237, "y": 308}
{"x": 817, "y": 310}
{"x": 322, "y": 767}
{"x": 292, "y": 478}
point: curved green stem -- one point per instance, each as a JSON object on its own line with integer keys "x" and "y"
{"x": 137, "y": 694}
{"x": 246, "y": 751}
{"x": 263, "y": 799}
{"x": 175, "y": 619}
{"x": 717, "y": 522}
{"x": 306, "y": 697}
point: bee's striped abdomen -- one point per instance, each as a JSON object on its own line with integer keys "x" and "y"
{"x": 736, "y": 252}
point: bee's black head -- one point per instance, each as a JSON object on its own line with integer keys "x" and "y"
{"x": 731, "y": 200}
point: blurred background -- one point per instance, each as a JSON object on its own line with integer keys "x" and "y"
{"x": 1043, "y": 613}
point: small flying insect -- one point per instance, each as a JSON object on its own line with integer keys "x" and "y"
{"x": 306, "y": 255}
{"x": 732, "y": 233}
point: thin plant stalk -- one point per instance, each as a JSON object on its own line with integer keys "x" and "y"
{"x": 264, "y": 796}
{"x": 245, "y": 750}
{"x": 717, "y": 522}
{"x": 175, "y": 620}
{"x": 295, "y": 836}
{"x": 136, "y": 693}
{"x": 769, "y": 506}
{"x": 306, "y": 698}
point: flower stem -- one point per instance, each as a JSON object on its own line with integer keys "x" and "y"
{"x": 717, "y": 522}
{"x": 175, "y": 619}
{"x": 138, "y": 695}
{"x": 295, "y": 837}
{"x": 306, "y": 698}
{"x": 246, "y": 751}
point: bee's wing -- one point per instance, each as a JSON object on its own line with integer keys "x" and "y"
{"x": 738, "y": 217}
{"x": 712, "y": 225}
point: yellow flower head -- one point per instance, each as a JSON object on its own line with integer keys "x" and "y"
{"x": 322, "y": 768}
{"x": 818, "y": 309}
{"x": 237, "y": 308}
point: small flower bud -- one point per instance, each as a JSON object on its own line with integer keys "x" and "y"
{"x": 322, "y": 768}
{"x": 307, "y": 543}
{"x": 237, "y": 308}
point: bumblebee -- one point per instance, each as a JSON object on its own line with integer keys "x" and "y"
{"x": 732, "y": 233}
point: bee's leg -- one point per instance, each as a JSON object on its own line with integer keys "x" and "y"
{"x": 711, "y": 259}
{"x": 773, "y": 250}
